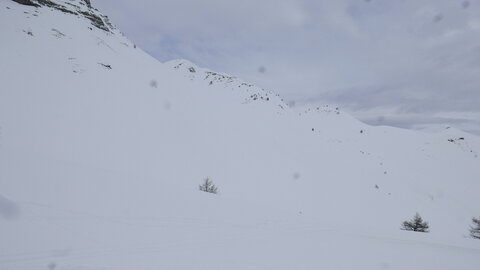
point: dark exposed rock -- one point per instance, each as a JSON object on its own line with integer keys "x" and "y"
{"x": 89, "y": 5}
{"x": 95, "y": 20}
{"x": 100, "y": 21}
{"x": 56, "y": 6}
{"x": 106, "y": 20}
{"x": 27, "y": 2}
{"x": 106, "y": 66}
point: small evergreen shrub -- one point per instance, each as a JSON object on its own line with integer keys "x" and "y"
{"x": 475, "y": 229}
{"x": 416, "y": 224}
{"x": 208, "y": 186}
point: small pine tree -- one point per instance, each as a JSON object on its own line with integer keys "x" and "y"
{"x": 208, "y": 186}
{"x": 475, "y": 229}
{"x": 416, "y": 224}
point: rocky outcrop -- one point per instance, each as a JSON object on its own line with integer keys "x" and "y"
{"x": 89, "y": 5}
{"x": 27, "y": 2}
{"x": 96, "y": 19}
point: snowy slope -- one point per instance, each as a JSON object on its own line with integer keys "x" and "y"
{"x": 102, "y": 149}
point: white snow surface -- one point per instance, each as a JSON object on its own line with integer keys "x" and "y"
{"x": 102, "y": 149}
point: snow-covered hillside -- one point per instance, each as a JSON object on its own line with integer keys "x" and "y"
{"x": 102, "y": 149}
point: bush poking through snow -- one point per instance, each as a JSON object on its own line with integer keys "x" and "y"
{"x": 416, "y": 224}
{"x": 475, "y": 229}
{"x": 208, "y": 186}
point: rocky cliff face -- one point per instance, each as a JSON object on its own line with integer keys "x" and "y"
{"x": 76, "y": 7}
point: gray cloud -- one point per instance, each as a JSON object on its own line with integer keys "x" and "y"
{"x": 421, "y": 121}
{"x": 409, "y": 56}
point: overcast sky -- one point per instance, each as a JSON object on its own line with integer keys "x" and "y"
{"x": 408, "y": 63}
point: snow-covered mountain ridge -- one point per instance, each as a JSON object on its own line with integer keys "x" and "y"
{"x": 252, "y": 92}
{"x": 102, "y": 150}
